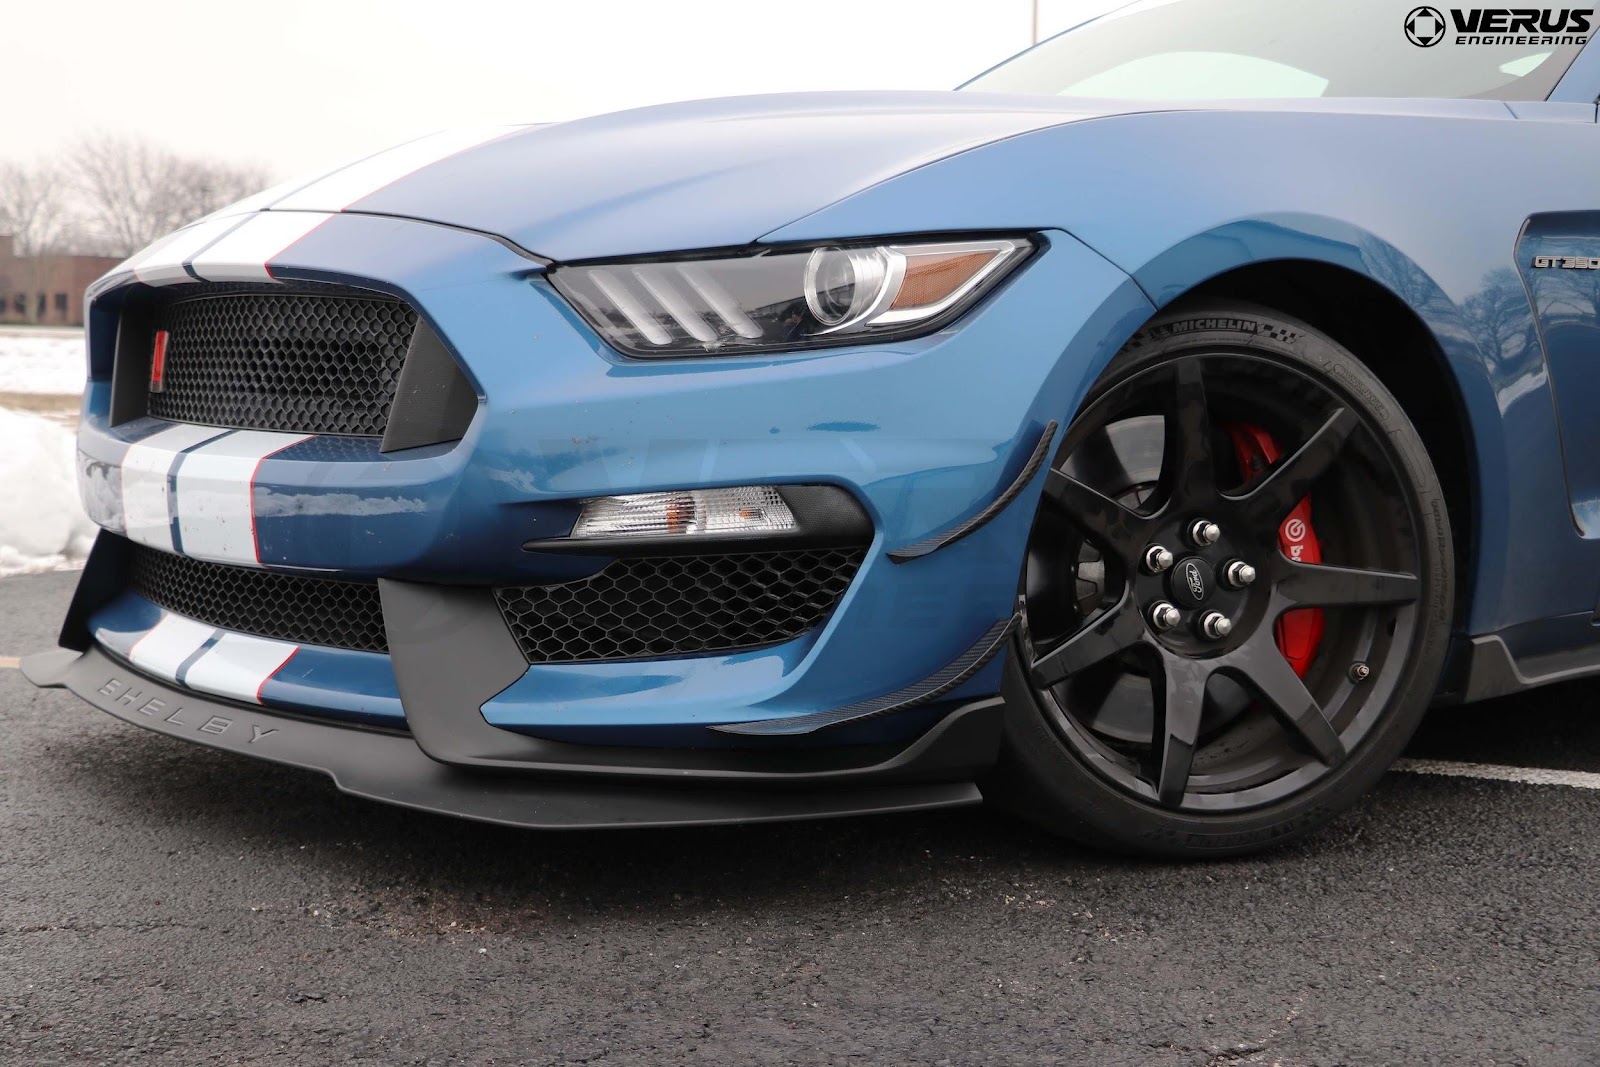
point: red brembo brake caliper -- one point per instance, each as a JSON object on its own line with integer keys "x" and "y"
{"x": 1299, "y": 632}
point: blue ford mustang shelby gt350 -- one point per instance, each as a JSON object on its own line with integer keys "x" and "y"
{"x": 1141, "y": 438}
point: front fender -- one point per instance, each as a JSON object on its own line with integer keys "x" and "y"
{"x": 1498, "y": 384}
{"x": 1177, "y": 198}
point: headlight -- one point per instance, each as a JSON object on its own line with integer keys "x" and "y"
{"x": 787, "y": 298}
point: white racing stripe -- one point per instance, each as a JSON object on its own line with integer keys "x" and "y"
{"x": 234, "y": 665}
{"x": 215, "y": 483}
{"x": 162, "y": 263}
{"x": 244, "y": 253}
{"x": 359, "y": 180}
{"x": 237, "y": 243}
{"x": 149, "y": 251}
{"x": 171, "y": 641}
{"x": 238, "y": 665}
{"x": 1498, "y": 773}
{"x": 146, "y": 504}
{"x": 266, "y": 198}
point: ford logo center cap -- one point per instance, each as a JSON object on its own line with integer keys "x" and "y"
{"x": 1192, "y": 580}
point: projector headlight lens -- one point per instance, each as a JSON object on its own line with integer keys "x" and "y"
{"x": 844, "y": 284}
{"x": 775, "y": 299}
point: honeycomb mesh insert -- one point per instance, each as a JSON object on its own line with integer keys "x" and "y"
{"x": 298, "y": 362}
{"x": 307, "y": 611}
{"x": 679, "y": 605}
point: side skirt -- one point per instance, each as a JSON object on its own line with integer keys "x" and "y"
{"x": 1491, "y": 671}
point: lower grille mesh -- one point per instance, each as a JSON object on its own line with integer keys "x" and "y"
{"x": 632, "y": 609}
{"x": 307, "y": 611}
{"x": 679, "y": 605}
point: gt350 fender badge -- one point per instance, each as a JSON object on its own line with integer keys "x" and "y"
{"x": 1568, "y": 262}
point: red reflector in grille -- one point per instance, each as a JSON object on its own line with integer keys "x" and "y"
{"x": 158, "y": 362}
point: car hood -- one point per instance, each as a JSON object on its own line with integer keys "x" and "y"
{"x": 706, "y": 174}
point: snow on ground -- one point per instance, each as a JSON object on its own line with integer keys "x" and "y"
{"x": 42, "y": 524}
{"x": 41, "y": 359}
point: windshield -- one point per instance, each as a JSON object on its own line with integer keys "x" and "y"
{"x": 1229, "y": 49}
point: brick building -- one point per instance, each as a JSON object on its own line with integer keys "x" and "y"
{"x": 48, "y": 288}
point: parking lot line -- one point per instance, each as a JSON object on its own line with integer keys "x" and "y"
{"x": 9, "y": 663}
{"x": 1496, "y": 772}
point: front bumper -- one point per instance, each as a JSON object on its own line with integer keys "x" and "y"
{"x": 394, "y": 768}
{"x": 925, "y": 434}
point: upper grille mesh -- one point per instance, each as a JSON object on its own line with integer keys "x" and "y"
{"x": 679, "y": 605}
{"x": 298, "y": 362}
{"x": 308, "y": 611}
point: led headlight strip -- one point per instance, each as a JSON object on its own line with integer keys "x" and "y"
{"x": 787, "y": 298}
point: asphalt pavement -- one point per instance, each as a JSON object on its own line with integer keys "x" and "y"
{"x": 165, "y": 904}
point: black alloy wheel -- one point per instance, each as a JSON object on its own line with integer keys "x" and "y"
{"x": 1152, "y": 708}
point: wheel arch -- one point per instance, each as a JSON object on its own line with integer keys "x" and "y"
{"x": 1366, "y": 318}
{"x": 1362, "y": 291}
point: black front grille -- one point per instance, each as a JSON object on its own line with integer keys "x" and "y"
{"x": 679, "y": 605}
{"x": 298, "y": 362}
{"x": 307, "y": 611}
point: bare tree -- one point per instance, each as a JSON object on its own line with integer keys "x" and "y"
{"x": 134, "y": 191}
{"x": 35, "y": 211}
{"x": 210, "y": 184}
{"x": 33, "y": 206}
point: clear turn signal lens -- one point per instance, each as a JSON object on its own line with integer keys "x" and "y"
{"x": 742, "y": 509}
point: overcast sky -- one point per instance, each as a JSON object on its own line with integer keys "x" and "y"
{"x": 297, "y": 85}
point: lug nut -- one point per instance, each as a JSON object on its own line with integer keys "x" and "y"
{"x": 1360, "y": 672}
{"x": 1216, "y": 625}
{"x": 1239, "y": 574}
{"x": 1163, "y": 616}
{"x": 1157, "y": 559}
{"x": 1204, "y": 533}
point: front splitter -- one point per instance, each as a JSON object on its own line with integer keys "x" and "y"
{"x": 389, "y": 767}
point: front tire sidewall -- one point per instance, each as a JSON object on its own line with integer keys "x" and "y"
{"x": 1043, "y": 780}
